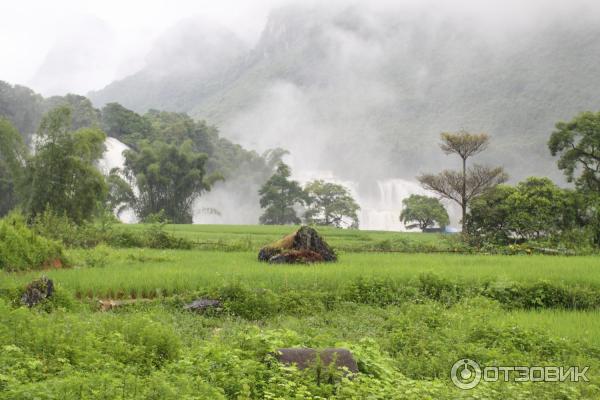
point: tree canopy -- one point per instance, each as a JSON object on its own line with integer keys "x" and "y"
{"x": 62, "y": 174}
{"x": 330, "y": 204}
{"x": 278, "y": 196}
{"x": 577, "y": 142}
{"x": 535, "y": 208}
{"x": 424, "y": 212}
{"x": 168, "y": 178}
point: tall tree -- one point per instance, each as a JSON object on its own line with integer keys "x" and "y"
{"x": 278, "y": 196}
{"x": 330, "y": 204}
{"x": 62, "y": 174}
{"x": 12, "y": 159}
{"x": 168, "y": 177}
{"x": 578, "y": 144}
{"x": 424, "y": 212}
{"x": 469, "y": 183}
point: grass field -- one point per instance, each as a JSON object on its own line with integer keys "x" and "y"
{"x": 252, "y": 237}
{"x": 407, "y": 317}
{"x": 171, "y": 272}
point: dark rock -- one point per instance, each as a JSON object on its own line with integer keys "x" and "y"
{"x": 307, "y": 358}
{"x": 303, "y": 246}
{"x": 202, "y": 305}
{"x": 37, "y": 291}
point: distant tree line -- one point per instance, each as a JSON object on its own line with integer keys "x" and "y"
{"x": 172, "y": 160}
{"x": 49, "y": 152}
{"x": 535, "y": 209}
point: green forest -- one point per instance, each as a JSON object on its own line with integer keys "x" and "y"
{"x": 404, "y": 201}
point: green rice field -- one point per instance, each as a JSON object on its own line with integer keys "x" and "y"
{"x": 407, "y": 316}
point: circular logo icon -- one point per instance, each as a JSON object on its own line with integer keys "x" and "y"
{"x": 465, "y": 374}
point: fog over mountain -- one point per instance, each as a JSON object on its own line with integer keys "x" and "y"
{"x": 357, "y": 91}
{"x": 365, "y": 90}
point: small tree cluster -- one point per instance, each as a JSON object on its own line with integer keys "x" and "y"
{"x": 325, "y": 203}
{"x": 532, "y": 210}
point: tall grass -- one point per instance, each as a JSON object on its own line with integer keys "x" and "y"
{"x": 142, "y": 273}
{"x": 580, "y": 325}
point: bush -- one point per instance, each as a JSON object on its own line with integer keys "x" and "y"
{"x": 21, "y": 249}
{"x": 104, "y": 229}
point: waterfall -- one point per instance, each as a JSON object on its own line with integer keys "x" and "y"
{"x": 113, "y": 158}
{"x": 380, "y": 201}
{"x": 381, "y": 210}
{"x": 113, "y": 155}
{"x": 237, "y": 203}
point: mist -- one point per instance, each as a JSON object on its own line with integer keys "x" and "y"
{"x": 357, "y": 91}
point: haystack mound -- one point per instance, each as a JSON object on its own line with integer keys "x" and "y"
{"x": 301, "y": 247}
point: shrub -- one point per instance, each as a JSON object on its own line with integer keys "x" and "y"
{"x": 104, "y": 230}
{"x": 21, "y": 249}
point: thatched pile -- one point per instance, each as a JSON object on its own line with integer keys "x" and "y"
{"x": 301, "y": 247}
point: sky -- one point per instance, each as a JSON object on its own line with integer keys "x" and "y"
{"x": 62, "y": 46}
{"x": 109, "y": 37}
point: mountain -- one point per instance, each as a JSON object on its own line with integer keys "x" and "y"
{"x": 365, "y": 92}
{"x": 185, "y": 66}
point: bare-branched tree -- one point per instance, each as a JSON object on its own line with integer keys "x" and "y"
{"x": 463, "y": 186}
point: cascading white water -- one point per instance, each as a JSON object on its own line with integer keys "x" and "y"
{"x": 113, "y": 155}
{"x": 380, "y": 201}
{"x": 113, "y": 158}
{"x": 382, "y": 211}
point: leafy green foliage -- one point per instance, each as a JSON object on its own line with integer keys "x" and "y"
{"x": 62, "y": 175}
{"x": 534, "y": 209}
{"x": 123, "y": 124}
{"x": 120, "y": 194}
{"x": 105, "y": 230}
{"x": 22, "y": 106}
{"x": 578, "y": 144}
{"x": 12, "y": 158}
{"x": 425, "y": 211}
{"x": 83, "y": 113}
{"x": 330, "y": 204}
{"x": 21, "y": 249}
{"x": 168, "y": 178}
{"x": 278, "y": 196}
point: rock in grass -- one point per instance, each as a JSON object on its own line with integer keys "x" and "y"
{"x": 37, "y": 290}
{"x": 202, "y": 305}
{"x": 308, "y": 358}
{"x": 303, "y": 246}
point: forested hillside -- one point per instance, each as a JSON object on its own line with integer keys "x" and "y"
{"x": 25, "y": 109}
{"x": 368, "y": 83}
